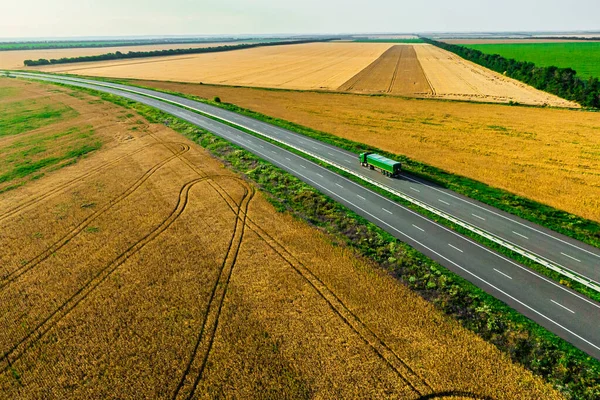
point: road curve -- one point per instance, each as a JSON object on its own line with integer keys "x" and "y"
{"x": 560, "y": 310}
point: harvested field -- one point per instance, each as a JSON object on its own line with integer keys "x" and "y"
{"x": 148, "y": 270}
{"x": 14, "y": 59}
{"x": 547, "y": 155}
{"x": 303, "y": 66}
{"x": 452, "y": 77}
{"x": 397, "y": 71}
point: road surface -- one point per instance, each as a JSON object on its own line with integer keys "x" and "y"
{"x": 562, "y": 311}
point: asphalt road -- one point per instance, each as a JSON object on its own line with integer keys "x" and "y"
{"x": 544, "y": 244}
{"x": 562, "y": 311}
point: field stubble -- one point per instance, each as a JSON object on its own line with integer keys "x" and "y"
{"x": 180, "y": 280}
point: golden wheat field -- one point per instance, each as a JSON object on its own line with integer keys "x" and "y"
{"x": 452, "y": 77}
{"x": 148, "y": 270}
{"x": 548, "y": 155}
{"x": 13, "y": 59}
{"x": 301, "y": 66}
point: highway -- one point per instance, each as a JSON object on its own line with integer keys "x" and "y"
{"x": 562, "y": 311}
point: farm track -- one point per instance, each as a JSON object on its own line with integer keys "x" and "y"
{"x": 14, "y": 275}
{"x": 64, "y": 185}
{"x": 204, "y": 342}
{"x": 18, "y": 349}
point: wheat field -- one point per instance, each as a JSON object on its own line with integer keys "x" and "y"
{"x": 149, "y": 270}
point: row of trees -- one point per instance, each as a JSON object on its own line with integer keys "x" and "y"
{"x": 562, "y": 82}
{"x": 157, "y": 53}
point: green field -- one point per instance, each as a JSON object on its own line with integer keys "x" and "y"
{"x": 583, "y": 57}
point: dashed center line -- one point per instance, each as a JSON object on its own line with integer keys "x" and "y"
{"x": 319, "y": 174}
{"x": 337, "y": 184}
{"x": 387, "y": 211}
{"x": 442, "y": 201}
{"x": 518, "y": 234}
{"x": 560, "y": 305}
{"x": 360, "y": 197}
{"x": 349, "y": 162}
{"x": 302, "y": 166}
{"x": 421, "y": 229}
{"x": 455, "y": 248}
{"x": 289, "y": 159}
{"x": 416, "y": 190}
{"x": 331, "y": 154}
{"x": 502, "y": 273}
{"x": 477, "y": 216}
{"x": 571, "y": 257}
{"x": 261, "y": 146}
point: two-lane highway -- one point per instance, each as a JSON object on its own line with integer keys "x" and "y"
{"x": 562, "y": 311}
{"x": 538, "y": 243}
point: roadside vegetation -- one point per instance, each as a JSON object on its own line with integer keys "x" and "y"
{"x": 250, "y": 303}
{"x": 562, "y": 82}
{"x": 158, "y": 53}
{"x": 571, "y": 371}
{"x": 414, "y": 126}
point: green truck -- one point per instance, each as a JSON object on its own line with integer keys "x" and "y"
{"x": 380, "y": 163}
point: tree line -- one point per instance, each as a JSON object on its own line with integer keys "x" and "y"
{"x": 157, "y": 53}
{"x": 562, "y": 82}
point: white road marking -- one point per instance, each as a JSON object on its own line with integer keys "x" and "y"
{"x": 315, "y": 147}
{"x": 455, "y": 248}
{"x": 442, "y": 201}
{"x": 302, "y": 166}
{"x": 349, "y": 162}
{"x": 560, "y": 305}
{"x": 359, "y": 196}
{"x": 477, "y": 216}
{"x": 331, "y": 154}
{"x": 273, "y": 151}
{"x": 337, "y": 184}
{"x": 319, "y": 174}
{"x": 571, "y": 257}
{"x": 388, "y": 211}
{"x": 416, "y": 190}
{"x": 421, "y": 229}
{"x": 433, "y": 251}
{"x": 261, "y": 146}
{"x": 502, "y": 273}
{"x": 508, "y": 218}
{"x": 518, "y": 234}
{"x": 289, "y": 159}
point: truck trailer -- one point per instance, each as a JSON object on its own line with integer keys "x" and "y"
{"x": 380, "y": 163}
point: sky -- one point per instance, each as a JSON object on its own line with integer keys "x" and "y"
{"x": 65, "y": 18}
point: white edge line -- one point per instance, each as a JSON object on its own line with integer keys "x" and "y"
{"x": 352, "y": 182}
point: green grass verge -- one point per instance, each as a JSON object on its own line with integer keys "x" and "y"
{"x": 560, "y": 221}
{"x": 568, "y": 369}
{"x": 581, "y": 56}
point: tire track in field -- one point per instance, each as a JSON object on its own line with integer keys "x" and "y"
{"x": 16, "y": 351}
{"x": 14, "y": 275}
{"x": 64, "y": 185}
{"x": 395, "y": 73}
{"x": 197, "y": 363}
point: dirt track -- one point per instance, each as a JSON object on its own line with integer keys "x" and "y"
{"x": 397, "y": 71}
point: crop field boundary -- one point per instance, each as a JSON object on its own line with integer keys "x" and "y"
{"x": 581, "y": 381}
{"x": 532, "y": 256}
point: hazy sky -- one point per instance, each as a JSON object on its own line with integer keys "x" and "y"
{"x": 47, "y": 18}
